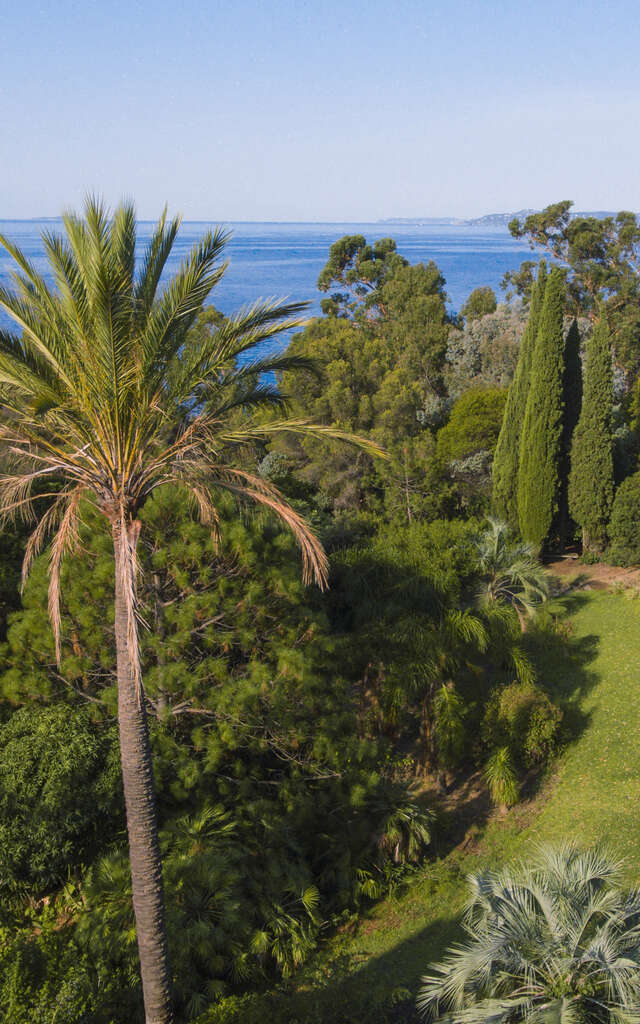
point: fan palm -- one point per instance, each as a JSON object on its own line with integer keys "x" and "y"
{"x": 104, "y": 397}
{"x": 557, "y": 942}
{"x": 512, "y": 573}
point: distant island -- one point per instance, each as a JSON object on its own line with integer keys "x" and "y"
{"x": 488, "y": 220}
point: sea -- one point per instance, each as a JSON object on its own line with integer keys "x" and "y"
{"x": 283, "y": 260}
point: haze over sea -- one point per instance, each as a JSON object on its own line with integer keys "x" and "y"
{"x": 284, "y": 259}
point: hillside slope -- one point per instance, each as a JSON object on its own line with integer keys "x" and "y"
{"x": 373, "y": 974}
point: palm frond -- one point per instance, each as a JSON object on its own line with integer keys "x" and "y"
{"x": 556, "y": 940}
{"x": 65, "y": 541}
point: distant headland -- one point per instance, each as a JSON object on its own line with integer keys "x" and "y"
{"x": 489, "y": 219}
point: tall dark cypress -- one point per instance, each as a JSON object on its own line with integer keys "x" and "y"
{"x": 591, "y": 483}
{"x": 507, "y": 455}
{"x": 572, "y": 399}
{"x": 539, "y": 479}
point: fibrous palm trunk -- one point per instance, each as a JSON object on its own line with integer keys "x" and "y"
{"x": 142, "y": 824}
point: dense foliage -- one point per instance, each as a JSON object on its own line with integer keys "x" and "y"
{"x": 484, "y": 351}
{"x": 539, "y": 473}
{"x": 291, "y": 729}
{"x": 591, "y": 482}
{"x": 481, "y": 302}
{"x": 603, "y": 258}
{"x": 506, "y": 463}
{"x": 377, "y": 378}
{"x": 60, "y": 796}
{"x": 624, "y": 528}
{"x": 280, "y": 721}
{"x": 474, "y": 424}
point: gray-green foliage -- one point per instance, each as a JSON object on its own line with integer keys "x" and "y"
{"x": 591, "y": 478}
{"x": 555, "y": 940}
{"x": 484, "y": 352}
{"x": 510, "y": 571}
{"x": 507, "y": 456}
{"x": 539, "y": 472}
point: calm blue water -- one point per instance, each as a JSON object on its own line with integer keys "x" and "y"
{"x": 284, "y": 260}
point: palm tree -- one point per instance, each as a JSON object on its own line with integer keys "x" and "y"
{"x": 511, "y": 571}
{"x": 105, "y": 396}
{"x": 558, "y": 941}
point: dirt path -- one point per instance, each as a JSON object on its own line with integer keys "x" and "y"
{"x": 599, "y": 576}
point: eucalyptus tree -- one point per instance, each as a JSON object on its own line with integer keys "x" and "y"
{"x": 602, "y": 254}
{"x": 104, "y": 396}
{"x": 359, "y": 269}
{"x": 558, "y": 940}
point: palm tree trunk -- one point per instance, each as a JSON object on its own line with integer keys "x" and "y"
{"x": 142, "y": 824}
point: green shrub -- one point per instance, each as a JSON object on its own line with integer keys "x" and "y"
{"x": 474, "y": 424}
{"x": 590, "y": 558}
{"x": 60, "y": 795}
{"x": 624, "y": 528}
{"x": 481, "y": 302}
{"x": 522, "y": 718}
{"x": 46, "y": 979}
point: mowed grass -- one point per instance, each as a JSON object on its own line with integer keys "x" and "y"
{"x": 598, "y": 792}
{"x": 594, "y": 796}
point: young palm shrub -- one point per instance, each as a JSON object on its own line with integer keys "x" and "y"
{"x": 449, "y": 710}
{"x": 501, "y": 778}
{"x": 511, "y": 572}
{"x": 403, "y": 834}
{"x": 106, "y": 397}
{"x": 557, "y": 940}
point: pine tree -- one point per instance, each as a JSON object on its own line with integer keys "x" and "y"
{"x": 591, "y": 483}
{"x": 572, "y": 398}
{"x": 507, "y": 456}
{"x": 539, "y": 477}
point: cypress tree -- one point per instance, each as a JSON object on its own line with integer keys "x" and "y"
{"x": 591, "y": 483}
{"x": 572, "y": 397}
{"x": 539, "y": 477}
{"x": 507, "y": 455}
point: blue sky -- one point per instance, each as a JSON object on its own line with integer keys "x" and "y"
{"x": 296, "y": 110}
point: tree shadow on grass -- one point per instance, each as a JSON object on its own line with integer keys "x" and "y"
{"x": 562, "y": 662}
{"x": 382, "y": 989}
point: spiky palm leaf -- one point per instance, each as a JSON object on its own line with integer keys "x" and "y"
{"x": 558, "y": 940}
{"x": 512, "y": 573}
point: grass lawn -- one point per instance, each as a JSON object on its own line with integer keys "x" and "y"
{"x": 372, "y": 975}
